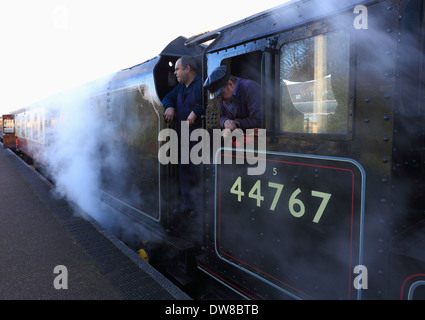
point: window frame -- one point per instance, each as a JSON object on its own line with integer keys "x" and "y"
{"x": 308, "y": 31}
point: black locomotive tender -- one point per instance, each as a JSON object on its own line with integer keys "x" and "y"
{"x": 339, "y": 211}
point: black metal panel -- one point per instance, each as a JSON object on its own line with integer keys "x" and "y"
{"x": 303, "y": 208}
{"x": 177, "y": 48}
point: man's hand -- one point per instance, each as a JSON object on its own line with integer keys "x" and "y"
{"x": 169, "y": 114}
{"x": 191, "y": 118}
{"x": 231, "y": 124}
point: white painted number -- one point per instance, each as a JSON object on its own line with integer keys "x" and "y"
{"x": 255, "y": 193}
{"x": 295, "y": 205}
{"x": 279, "y": 188}
{"x": 323, "y": 204}
{"x": 236, "y": 189}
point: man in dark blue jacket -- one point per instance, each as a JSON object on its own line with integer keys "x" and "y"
{"x": 184, "y": 103}
{"x": 240, "y": 99}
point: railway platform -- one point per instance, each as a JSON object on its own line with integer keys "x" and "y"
{"x": 47, "y": 252}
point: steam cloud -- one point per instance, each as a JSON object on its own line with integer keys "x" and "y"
{"x": 72, "y": 158}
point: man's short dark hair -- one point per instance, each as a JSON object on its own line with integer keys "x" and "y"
{"x": 188, "y": 61}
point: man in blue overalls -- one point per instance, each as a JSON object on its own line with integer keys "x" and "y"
{"x": 184, "y": 103}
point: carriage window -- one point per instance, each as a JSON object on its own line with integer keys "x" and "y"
{"x": 314, "y": 82}
{"x": 8, "y": 125}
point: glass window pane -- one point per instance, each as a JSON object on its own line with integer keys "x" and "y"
{"x": 314, "y": 78}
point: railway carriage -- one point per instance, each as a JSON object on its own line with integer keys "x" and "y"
{"x": 7, "y": 131}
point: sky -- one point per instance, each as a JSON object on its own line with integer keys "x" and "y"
{"x": 51, "y": 45}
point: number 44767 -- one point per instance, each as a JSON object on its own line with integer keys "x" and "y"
{"x": 296, "y": 206}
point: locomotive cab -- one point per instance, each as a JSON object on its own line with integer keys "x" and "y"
{"x": 165, "y": 79}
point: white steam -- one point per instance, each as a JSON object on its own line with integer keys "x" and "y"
{"x": 71, "y": 157}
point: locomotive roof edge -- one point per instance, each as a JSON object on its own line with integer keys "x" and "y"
{"x": 284, "y": 16}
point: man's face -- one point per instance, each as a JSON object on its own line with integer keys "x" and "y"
{"x": 227, "y": 92}
{"x": 180, "y": 72}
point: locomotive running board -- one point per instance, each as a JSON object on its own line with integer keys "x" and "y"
{"x": 125, "y": 208}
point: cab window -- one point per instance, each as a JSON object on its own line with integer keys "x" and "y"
{"x": 314, "y": 84}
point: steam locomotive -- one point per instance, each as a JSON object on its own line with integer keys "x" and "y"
{"x": 339, "y": 211}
